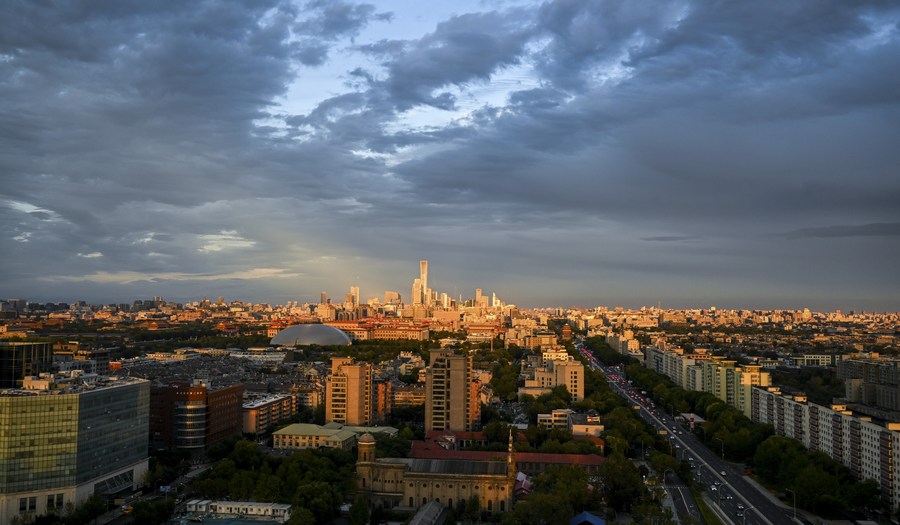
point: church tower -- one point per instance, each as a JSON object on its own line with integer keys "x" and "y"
{"x": 364, "y": 461}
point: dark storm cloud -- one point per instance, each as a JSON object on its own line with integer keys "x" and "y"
{"x": 466, "y": 48}
{"x": 638, "y": 144}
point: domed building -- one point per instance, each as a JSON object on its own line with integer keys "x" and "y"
{"x": 310, "y": 334}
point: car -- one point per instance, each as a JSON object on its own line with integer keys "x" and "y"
{"x": 740, "y": 514}
{"x": 740, "y": 506}
{"x": 713, "y": 487}
{"x": 722, "y": 472}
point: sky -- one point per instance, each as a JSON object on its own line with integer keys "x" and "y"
{"x": 573, "y": 152}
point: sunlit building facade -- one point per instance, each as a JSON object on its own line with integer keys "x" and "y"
{"x": 62, "y": 443}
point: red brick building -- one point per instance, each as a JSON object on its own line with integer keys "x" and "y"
{"x": 194, "y": 416}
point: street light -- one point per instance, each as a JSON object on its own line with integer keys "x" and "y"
{"x": 744, "y": 521}
{"x": 795, "y": 502}
{"x": 723, "y": 445}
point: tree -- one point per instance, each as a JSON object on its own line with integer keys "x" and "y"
{"x": 473, "y": 507}
{"x": 622, "y": 484}
{"x": 359, "y": 511}
{"x": 301, "y": 516}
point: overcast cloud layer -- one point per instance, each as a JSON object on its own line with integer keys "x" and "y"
{"x": 558, "y": 153}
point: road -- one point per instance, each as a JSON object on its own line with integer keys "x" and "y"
{"x": 739, "y": 502}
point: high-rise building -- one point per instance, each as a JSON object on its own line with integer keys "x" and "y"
{"x": 417, "y": 292}
{"x": 19, "y": 359}
{"x": 323, "y": 298}
{"x": 195, "y": 416}
{"x": 354, "y": 292}
{"x": 64, "y": 442}
{"x": 423, "y": 278}
{"x": 449, "y": 392}
{"x": 348, "y": 392}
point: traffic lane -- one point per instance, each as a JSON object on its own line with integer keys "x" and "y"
{"x": 774, "y": 514}
{"x": 714, "y": 466}
{"x": 685, "y": 505}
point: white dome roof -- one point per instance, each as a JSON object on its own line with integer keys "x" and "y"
{"x": 310, "y": 334}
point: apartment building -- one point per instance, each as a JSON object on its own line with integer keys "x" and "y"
{"x": 699, "y": 371}
{"x": 542, "y": 379}
{"x": 261, "y": 413}
{"x": 870, "y": 449}
{"x": 451, "y": 393}
{"x": 348, "y": 392}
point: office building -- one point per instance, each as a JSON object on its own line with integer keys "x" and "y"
{"x": 65, "y": 439}
{"x": 195, "y": 416}
{"x": 423, "y": 279}
{"x": 19, "y": 359}
{"x": 348, "y": 392}
{"x": 451, "y": 392}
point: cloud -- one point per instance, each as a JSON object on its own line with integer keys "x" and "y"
{"x": 136, "y": 277}
{"x": 670, "y": 238}
{"x": 527, "y": 145}
{"x": 224, "y": 240}
{"x": 862, "y": 230}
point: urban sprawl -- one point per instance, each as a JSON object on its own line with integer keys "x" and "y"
{"x": 435, "y": 407}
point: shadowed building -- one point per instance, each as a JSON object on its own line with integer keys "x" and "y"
{"x": 19, "y": 359}
{"x": 194, "y": 416}
{"x": 411, "y": 483}
{"x": 451, "y": 393}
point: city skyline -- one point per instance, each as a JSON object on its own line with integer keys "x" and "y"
{"x": 568, "y": 153}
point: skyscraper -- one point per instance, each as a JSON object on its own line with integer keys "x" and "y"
{"x": 423, "y": 279}
{"x": 450, "y": 398}
{"x": 417, "y": 292}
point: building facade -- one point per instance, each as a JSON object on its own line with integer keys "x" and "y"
{"x": 262, "y": 413}
{"x": 413, "y": 482}
{"x": 871, "y": 450}
{"x": 348, "y": 392}
{"x": 451, "y": 396}
{"x": 194, "y": 416}
{"x": 19, "y": 359}
{"x": 62, "y": 443}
